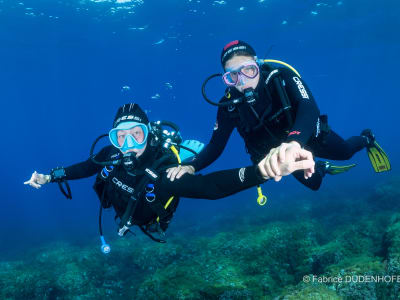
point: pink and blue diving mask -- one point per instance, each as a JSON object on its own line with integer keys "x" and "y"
{"x": 248, "y": 70}
{"x": 127, "y": 140}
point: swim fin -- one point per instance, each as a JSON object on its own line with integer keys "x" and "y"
{"x": 379, "y": 159}
{"x": 327, "y": 167}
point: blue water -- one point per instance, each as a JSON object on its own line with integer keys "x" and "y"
{"x": 63, "y": 66}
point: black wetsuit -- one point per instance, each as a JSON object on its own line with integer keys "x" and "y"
{"x": 120, "y": 185}
{"x": 305, "y": 128}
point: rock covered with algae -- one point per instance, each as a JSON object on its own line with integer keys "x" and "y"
{"x": 263, "y": 258}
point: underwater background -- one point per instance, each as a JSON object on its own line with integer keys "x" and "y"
{"x": 66, "y": 67}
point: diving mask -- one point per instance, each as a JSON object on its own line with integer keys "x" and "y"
{"x": 129, "y": 135}
{"x": 249, "y": 70}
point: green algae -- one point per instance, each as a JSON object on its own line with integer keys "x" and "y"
{"x": 314, "y": 291}
{"x": 265, "y": 258}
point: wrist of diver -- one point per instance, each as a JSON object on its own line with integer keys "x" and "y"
{"x": 260, "y": 176}
{"x": 47, "y": 178}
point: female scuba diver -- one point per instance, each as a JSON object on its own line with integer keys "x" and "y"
{"x": 274, "y": 110}
{"x": 132, "y": 178}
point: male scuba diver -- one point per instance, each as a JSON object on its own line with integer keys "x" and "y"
{"x": 274, "y": 110}
{"x": 132, "y": 178}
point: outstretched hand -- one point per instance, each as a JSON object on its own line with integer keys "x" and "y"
{"x": 37, "y": 180}
{"x": 285, "y": 160}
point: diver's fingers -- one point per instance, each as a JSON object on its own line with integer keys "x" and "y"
{"x": 42, "y": 179}
{"x": 181, "y": 172}
{"x": 32, "y": 179}
{"x": 34, "y": 176}
{"x": 33, "y": 184}
{"x": 307, "y": 173}
{"x": 282, "y": 152}
{"x": 175, "y": 172}
{"x": 262, "y": 169}
{"x": 37, "y": 180}
{"x": 170, "y": 172}
{"x": 307, "y": 155}
{"x": 265, "y": 164}
{"x": 278, "y": 178}
{"x": 184, "y": 170}
{"x": 268, "y": 168}
{"x": 273, "y": 162}
{"x": 301, "y": 165}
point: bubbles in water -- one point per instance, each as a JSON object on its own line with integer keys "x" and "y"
{"x": 139, "y": 28}
{"x": 125, "y": 89}
{"x": 159, "y": 42}
{"x": 156, "y": 97}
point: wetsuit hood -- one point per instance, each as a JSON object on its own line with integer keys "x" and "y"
{"x": 130, "y": 113}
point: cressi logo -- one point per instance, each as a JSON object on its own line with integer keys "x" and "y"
{"x": 234, "y": 49}
{"x": 301, "y": 88}
{"x": 122, "y": 186}
{"x": 128, "y": 118}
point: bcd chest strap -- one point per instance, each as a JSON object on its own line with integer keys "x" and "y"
{"x": 151, "y": 174}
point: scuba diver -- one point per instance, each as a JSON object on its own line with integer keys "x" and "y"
{"x": 274, "y": 110}
{"x": 131, "y": 174}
